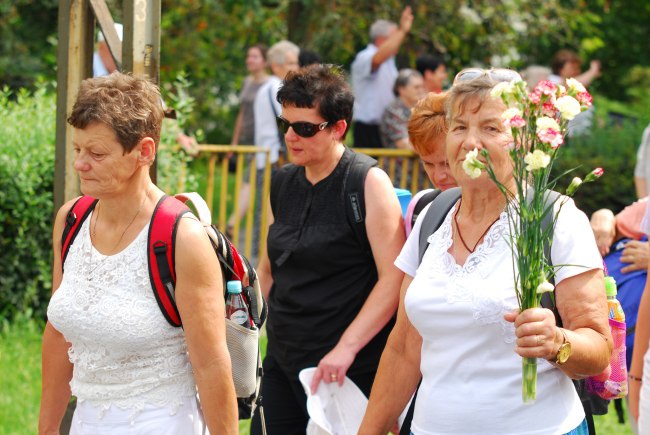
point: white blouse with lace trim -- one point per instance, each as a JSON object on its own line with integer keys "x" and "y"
{"x": 471, "y": 373}
{"x": 124, "y": 352}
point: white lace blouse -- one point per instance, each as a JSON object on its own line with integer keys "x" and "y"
{"x": 471, "y": 373}
{"x": 124, "y": 352}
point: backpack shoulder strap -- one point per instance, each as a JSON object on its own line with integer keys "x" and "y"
{"x": 160, "y": 255}
{"x": 354, "y": 196}
{"x": 548, "y": 300}
{"x": 440, "y": 206}
{"x": 78, "y": 213}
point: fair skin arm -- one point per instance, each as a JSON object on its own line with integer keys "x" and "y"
{"x": 397, "y": 376}
{"x": 56, "y": 367}
{"x": 199, "y": 296}
{"x": 403, "y": 143}
{"x": 237, "y": 129}
{"x": 582, "y": 305}
{"x": 588, "y": 76}
{"x": 385, "y": 229}
{"x": 264, "y": 267}
{"x": 640, "y": 348}
{"x": 390, "y": 46}
{"x": 603, "y": 224}
{"x": 641, "y": 186}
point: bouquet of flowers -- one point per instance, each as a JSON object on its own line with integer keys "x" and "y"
{"x": 538, "y": 121}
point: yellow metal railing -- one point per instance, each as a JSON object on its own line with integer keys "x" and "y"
{"x": 402, "y": 164}
{"x": 244, "y": 160}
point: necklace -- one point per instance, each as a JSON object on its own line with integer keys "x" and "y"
{"x": 93, "y": 269}
{"x": 460, "y": 236}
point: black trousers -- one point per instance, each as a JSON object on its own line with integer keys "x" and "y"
{"x": 366, "y": 135}
{"x": 285, "y": 402}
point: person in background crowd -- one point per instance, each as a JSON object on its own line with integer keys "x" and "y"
{"x": 433, "y": 70}
{"x": 373, "y": 74}
{"x": 427, "y": 130}
{"x": 642, "y": 167}
{"x": 625, "y": 249}
{"x": 282, "y": 58}
{"x": 408, "y": 90}
{"x": 106, "y": 341}
{"x": 308, "y": 57}
{"x": 103, "y": 62}
{"x": 567, "y": 64}
{"x": 534, "y": 74}
{"x": 639, "y": 374}
{"x": 244, "y": 131}
{"x": 332, "y": 287}
{"x": 466, "y": 338}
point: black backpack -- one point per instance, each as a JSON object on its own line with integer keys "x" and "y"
{"x": 441, "y": 203}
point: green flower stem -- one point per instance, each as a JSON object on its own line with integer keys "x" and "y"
{"x": 529, "y": 381}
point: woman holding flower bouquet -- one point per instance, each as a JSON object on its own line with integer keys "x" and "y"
{"x": 460, "y": 325}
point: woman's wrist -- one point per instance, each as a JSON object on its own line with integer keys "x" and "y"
{"x": 635, "y": 378}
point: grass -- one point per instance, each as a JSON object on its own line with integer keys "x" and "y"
{"x": 20, "y": 377}
{"x": 20, "y": 383}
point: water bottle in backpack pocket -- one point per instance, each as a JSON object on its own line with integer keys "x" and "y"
{"x": 612, "y": 382}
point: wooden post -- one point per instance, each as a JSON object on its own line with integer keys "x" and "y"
{"x": 76, "y": 36}
{"x": 141, "y": 50}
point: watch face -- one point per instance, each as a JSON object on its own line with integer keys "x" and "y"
{"x": 563, "y": 353}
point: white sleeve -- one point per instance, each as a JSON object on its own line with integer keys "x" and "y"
{"x": 574, "y": 245}
{"x": 642, "y": 155}
{"x": 362, "y": 65}
{"x": 409, "y": 258}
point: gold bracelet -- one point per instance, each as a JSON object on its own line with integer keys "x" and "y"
{"x": 635, "y": 378}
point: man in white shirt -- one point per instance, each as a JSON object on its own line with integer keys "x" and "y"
{"x": 282, "y": 58}
{"x": 373, "y": 74}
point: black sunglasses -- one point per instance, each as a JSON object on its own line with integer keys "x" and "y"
{"x": 302, "y": 129}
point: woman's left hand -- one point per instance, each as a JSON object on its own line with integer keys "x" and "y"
{"x": 333, "y": 366}
{"x": 537, "y": 334}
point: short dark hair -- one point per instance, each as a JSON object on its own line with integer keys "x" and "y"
{"x": 563, "y": 57}
{"x": 428, "y": 62}
{"x": 321, "y": 86}
{"x": 308, "y": 57}
{"x": 130, "y": 106}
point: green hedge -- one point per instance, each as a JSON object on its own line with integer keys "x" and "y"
{"x": 27, "y": 134}
{"x": 27, "y": 145}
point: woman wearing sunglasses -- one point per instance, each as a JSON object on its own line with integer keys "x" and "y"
{"x": 457, "y": 324}
{"x": 331, "y": 293}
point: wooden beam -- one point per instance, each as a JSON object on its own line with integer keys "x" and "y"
{"x": 75, "y": 54}
{"x": 107, "y": 26}
{"x": 142, "y": 38}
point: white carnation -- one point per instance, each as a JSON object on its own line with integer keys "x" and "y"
{"x": 568, "y": 106}
{"x": 538, "y": 159}
{"x": 575, "y": 85}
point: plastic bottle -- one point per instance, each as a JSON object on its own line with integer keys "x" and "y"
{"x": 236, "y": 309}
{"x": 615, "y": 310}
{"x": 612, "y": 383}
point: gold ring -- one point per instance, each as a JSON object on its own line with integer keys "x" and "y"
{"x": 332, "y": 376}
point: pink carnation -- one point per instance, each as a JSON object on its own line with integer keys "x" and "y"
{"x": 584, "y": 98}
{"x": 598, "y": 172}
{"x": 535, "y": 97}
{"x": 515, "y": 122}
{"x": 552, "y": 137}
{"x": 548, "y": 109}
{"x": 546, "y": 87}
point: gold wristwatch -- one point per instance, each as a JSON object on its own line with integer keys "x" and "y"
{"x": 564, "y": 352}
